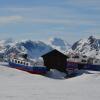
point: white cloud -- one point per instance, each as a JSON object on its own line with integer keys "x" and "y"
{"x": 84, "y": 3}
{"x": 56, "y": 15}
{"x": 10, "y": 19}
{"x": 70, "y": 22}
{"x": 41, "y": 11}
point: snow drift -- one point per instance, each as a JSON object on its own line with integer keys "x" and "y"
{"x": 19, "y": 85}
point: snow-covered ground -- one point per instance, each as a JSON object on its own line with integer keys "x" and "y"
{"x": 19, "y": 85}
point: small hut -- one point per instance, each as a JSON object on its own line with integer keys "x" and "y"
{"x": 55, "y": 60}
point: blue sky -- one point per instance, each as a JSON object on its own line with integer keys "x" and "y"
{"x": 44, "y": 19}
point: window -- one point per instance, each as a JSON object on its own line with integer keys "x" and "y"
{"x": 26, "y": 64}
{"x": 15, "y": 61}
{"x": 21, "y": 62}
{"x": 96, "y": 61}
{"x": 84, "y": 61}
{"x": 84, "y": 56}
{"x": 12, "y": 60}
{"x": 18, "y": 62}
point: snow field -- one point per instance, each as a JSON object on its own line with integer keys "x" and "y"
{"x": 20, "y": 85}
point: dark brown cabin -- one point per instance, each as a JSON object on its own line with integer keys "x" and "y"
{"x": 55, "y": 60}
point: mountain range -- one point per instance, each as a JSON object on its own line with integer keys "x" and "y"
{"x": 34, "y": 49}
{"x": 89, "y": 46}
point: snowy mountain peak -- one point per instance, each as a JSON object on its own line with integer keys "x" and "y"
{"x": 89, "y": 46}
{"x": 9, "y": 40}
{"x": 92, "y": 39}
{"x": 34, "y": 49}
{"x": 60, "y": 44}
{"x": 5, "y": 44}
{"x": 57, "y": 42}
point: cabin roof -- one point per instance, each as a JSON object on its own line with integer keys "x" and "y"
{"x": 53, "y": 52}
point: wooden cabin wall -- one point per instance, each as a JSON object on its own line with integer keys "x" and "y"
{"x": 55, "y": 62}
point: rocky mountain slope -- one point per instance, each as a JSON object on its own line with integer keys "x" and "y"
{"x": 34, "y": 49}
{"x": 89, "y": 47}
